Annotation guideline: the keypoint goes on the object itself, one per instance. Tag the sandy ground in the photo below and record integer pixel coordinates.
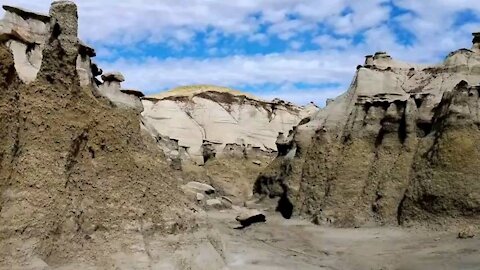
(281, 244)
(297, 244)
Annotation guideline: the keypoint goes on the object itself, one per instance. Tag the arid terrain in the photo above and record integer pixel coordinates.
(296, 244)
(95, 176)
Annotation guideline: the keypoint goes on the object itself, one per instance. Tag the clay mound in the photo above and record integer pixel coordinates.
(78, 179)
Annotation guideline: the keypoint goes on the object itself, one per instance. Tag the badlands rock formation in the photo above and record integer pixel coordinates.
(26, 34)
(399, 147)
(111, 89)
(209, 120)
(79, 181)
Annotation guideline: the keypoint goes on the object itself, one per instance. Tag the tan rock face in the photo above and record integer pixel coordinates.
(396, 148)
(221, 117)
(76, 172)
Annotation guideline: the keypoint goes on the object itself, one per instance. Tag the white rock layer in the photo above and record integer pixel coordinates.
(220, 117)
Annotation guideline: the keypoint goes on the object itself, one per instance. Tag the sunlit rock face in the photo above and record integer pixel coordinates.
(220, 116)
(393, 149)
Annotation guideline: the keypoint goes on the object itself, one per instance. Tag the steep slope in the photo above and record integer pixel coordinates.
(394, 149)
(78, 179)
(218, 117)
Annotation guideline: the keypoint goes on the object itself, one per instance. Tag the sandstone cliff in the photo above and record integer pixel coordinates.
(399, 147)
(207, 120)
(78, 178)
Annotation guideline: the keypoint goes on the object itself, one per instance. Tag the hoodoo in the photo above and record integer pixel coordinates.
(476, 42)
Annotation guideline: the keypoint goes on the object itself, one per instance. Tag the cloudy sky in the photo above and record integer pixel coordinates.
(292, 49)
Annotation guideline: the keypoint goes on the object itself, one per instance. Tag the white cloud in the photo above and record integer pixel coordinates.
(113, 24)
(329, 42)
(287, 29)
(131, 21)
(259, 38)
(295, 45)
(308, 67)
(303, 96)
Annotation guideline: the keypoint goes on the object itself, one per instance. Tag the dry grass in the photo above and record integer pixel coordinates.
(192, 90)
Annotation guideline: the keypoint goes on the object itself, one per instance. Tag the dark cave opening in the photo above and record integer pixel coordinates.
(285, 207)
(423, 129)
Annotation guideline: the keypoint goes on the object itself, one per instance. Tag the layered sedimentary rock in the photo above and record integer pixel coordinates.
(206, 120)
(398, 147)
(79, 181)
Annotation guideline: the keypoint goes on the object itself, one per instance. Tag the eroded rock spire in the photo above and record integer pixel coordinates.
(476, 41)
(61, 50)
(64, 23)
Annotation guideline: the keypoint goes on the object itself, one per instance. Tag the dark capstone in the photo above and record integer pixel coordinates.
(476, 38)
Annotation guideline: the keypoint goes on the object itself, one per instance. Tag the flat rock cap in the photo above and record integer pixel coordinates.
(86, 49)
(133, 92)
(113, 77)
(63, 3)
(25, 13)
(476, 37)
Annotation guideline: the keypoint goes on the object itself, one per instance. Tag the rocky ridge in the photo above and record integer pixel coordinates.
(397, 148)
(210, 120)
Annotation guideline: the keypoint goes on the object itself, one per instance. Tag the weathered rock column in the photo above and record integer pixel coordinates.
(64, 16)
(476, 42)
(85, 68)
(61, 51)
(112, 89)
(113, 80)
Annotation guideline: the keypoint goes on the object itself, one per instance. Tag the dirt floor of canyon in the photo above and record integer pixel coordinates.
(287, 244)
(297, 244)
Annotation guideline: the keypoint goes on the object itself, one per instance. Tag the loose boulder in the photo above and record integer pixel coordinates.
(467, 232)
(199, 187)
(249, 217)
(214, 204)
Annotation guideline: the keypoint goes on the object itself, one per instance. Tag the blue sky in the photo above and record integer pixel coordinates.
(296, 50)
